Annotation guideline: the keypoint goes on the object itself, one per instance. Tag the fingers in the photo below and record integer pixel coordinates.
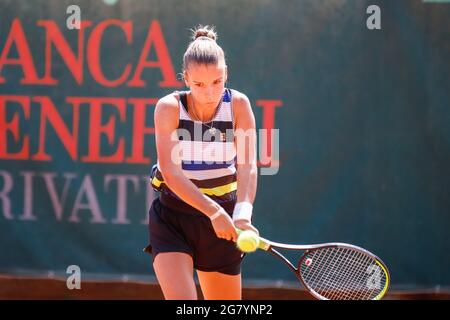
(246, 225)
(231, 235)
(224, 227)
(234, 235)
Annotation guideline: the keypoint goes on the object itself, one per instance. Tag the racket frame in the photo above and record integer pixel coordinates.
(270, 246)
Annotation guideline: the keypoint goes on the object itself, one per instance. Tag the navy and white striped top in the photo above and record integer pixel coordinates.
(208, 155)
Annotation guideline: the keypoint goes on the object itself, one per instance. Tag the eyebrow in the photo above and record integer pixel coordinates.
(202, 82)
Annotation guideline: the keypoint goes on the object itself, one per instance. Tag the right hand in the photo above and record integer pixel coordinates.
(224, 227)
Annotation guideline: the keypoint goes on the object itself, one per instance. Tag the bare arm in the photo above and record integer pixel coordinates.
(247, 171)
(167, 146)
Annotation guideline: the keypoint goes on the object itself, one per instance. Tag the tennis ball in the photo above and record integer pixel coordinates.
(248, 241)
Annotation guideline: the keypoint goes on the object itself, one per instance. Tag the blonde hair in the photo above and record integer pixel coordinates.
(203, 49)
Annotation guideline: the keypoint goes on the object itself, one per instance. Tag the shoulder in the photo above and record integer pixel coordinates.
(167, 109)
(242, 110)
(241, 105)
(239, 99)
(168, 104)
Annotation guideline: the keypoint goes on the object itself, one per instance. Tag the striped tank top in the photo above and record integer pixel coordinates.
(208, 156)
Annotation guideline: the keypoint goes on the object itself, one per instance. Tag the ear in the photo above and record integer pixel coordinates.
(226, 74)
(186, 78)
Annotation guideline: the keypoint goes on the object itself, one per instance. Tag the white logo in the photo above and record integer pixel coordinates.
(74, 280)
(74, 20)
(374, 279)
(374, 20)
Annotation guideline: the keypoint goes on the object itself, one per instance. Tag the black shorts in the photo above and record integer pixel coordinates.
(175, 231)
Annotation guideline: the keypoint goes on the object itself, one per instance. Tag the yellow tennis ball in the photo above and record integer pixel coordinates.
(248, 241)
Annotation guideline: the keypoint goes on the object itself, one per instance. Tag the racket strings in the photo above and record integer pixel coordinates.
(354, 284)
(331, 279)
(342, 273)
(352, 290)
(330, 284)
(338, 283)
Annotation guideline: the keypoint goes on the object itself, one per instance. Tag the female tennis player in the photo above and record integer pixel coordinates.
(206, 174)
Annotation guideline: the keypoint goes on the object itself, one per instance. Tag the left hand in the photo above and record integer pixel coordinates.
(245, 225)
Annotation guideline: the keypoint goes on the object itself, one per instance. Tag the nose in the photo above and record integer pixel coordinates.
(210, 91)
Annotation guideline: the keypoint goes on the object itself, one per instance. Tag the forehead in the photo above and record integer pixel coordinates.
(206, 72)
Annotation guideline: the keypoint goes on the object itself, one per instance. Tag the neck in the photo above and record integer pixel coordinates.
(203, 113)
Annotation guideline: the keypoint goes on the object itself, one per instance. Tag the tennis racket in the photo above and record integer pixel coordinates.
(335, 271)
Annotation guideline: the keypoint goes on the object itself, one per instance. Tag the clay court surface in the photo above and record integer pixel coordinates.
(22, 288)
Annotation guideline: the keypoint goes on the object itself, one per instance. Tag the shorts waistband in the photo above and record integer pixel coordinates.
(181, 206)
